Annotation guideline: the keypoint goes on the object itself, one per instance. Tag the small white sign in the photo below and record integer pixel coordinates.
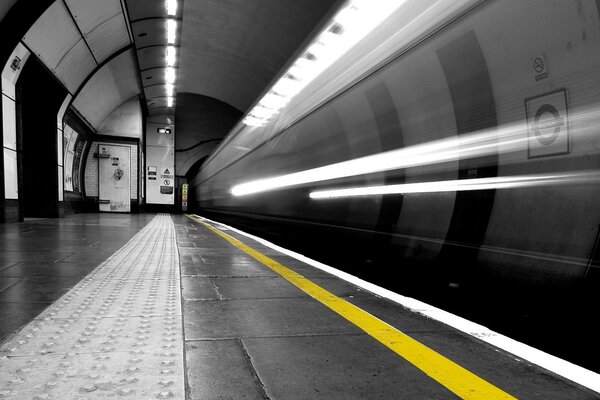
(540, 67)
(548, 124)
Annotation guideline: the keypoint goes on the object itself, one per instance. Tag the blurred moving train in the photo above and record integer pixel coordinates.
(452, 143)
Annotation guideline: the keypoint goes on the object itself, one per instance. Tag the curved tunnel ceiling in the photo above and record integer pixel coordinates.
(112, 85)
(231, 50)
(75, 39)
(105, 51)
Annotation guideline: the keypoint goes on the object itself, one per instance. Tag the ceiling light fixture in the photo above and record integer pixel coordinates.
(170, 75)
(170, 89)
(171, 6)
(348, 27)
(171, 56)
(171, 31)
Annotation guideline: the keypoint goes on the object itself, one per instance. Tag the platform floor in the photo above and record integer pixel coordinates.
(145, 306)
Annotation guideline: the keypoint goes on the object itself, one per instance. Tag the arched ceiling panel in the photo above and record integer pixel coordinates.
(53, 35)
(116, 82)
(124, 121)
(91, 13)
(75, 66)
(152, 57)
(154, 91)
(231, 50)
(109, 37)
(158, 103)
(150, 32)
(102, 24)
(153, 76)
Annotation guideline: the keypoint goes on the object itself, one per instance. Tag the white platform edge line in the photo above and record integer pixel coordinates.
(566, 369)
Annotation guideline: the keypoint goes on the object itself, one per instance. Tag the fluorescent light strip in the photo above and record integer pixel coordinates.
(170, 101)
(348, 26)
(171, 31)
(171, 56)
(557, 365)
(171, 6)
(170, 89)
(504, 182)
(170, 75)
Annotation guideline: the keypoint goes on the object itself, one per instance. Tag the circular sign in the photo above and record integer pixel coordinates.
(547, 124)
(538, 65)
(167, 182)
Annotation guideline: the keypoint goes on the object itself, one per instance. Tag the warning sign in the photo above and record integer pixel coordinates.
(547, 124)
(167, 172)
(540, 67)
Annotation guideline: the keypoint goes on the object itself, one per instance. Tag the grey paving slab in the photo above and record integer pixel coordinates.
(28, 255)
(224, 259)
(24, 269)
(337, 367)
(198, 288)
(36, 290)
(303, 269)
(261, 317)
(224, 270)
(219, 369)
(396, 315)
(341, 288)
(256, 288)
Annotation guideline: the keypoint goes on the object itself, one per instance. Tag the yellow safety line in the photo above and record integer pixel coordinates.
(455, 378)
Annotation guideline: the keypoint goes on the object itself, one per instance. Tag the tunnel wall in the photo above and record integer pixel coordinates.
(201, 123)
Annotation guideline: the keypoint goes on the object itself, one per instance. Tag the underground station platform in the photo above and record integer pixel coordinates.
(182, 307)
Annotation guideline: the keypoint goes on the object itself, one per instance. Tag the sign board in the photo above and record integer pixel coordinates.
(547, 124)
(540, 67)
(184, 197)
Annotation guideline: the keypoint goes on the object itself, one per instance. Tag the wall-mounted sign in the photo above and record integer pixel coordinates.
(184, 196)
(540, 67)
(548, 124)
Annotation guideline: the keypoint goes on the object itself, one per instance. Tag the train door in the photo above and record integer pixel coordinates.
(114, 178)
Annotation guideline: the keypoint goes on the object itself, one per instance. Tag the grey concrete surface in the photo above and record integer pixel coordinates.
(250, 334)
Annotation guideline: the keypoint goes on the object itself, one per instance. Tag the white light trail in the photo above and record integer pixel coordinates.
(500, 182)
(495, 141)
(170, 101)
(501, 140)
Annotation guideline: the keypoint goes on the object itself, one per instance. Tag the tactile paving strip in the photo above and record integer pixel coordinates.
(118, 333)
